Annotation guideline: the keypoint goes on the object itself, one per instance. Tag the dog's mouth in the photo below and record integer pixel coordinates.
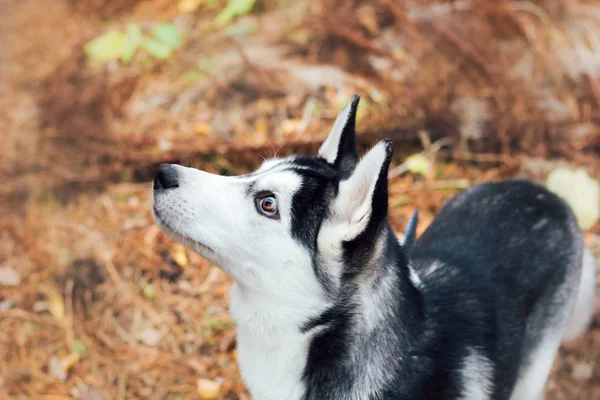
(195, 245)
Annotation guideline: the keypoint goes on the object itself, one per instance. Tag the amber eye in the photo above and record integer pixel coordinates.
(267, 205)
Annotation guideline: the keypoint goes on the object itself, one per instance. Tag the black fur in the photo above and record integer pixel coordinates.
(310, 204)
(496, 278)
(347, 155)
(494, 292)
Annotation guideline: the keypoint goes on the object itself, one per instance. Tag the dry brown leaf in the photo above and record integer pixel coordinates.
(289, 127)
(150, 336)
(56, 368)
(70, 360)
(179, 255)
(188, 6)
(198, 364)
(9, 277)
(207, 389)
(56, 306)
(203, 128)
(582, 372)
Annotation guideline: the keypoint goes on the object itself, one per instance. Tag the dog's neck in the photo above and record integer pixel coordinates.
(281, 342)
(371, 333)
(271, 347)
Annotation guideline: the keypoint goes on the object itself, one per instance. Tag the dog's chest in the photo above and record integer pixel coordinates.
(272, 366)
(271, 360)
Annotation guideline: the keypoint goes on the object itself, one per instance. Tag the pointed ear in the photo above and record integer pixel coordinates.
(362, 201)
(339, 148)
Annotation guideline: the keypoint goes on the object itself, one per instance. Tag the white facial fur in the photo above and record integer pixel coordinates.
(275, 289)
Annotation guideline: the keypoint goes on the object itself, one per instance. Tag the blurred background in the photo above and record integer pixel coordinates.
(96, 303)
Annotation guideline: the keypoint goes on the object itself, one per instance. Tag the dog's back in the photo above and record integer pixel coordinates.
(499, 270)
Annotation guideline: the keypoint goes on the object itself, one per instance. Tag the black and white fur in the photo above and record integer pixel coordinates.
(329, 305)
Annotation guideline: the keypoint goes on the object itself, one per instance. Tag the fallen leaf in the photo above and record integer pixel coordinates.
(156, 49)
(89, 393)
(582, 372)
(205, 64)
(207, 389)
(168, 33)
(70, 360)
(56, 306)
(179, 256)
(418, 164)
(106, 47)
(188, 6)
(199, 365)
(134, 38)
(290, 126)
(6, 305)
(261, 131)
(150, 336)
(149, 292)
(234, 9)
(203, 128)
(580, 191)
(9, 277)
(194, 76)
(56, 369)
(165, 145)
(64, 257)
(78, 347)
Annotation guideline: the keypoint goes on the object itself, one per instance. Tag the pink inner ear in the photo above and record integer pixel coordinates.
(361, 218)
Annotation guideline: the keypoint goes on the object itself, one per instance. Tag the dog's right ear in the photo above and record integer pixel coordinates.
(339, 148)
(363, 197)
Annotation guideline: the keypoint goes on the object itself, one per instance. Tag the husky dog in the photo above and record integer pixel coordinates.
(329, 305)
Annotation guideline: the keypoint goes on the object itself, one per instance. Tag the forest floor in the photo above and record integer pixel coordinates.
(97, 303)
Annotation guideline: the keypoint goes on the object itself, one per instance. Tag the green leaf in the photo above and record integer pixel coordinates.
(205, 64)
(167, 33)
(242, 28)
(105, 47)
(194, 76)
(212, 4)
(157, 49)
(234, 8)
(78, 347)
(133, 32)
(64, 257)
(149, 292)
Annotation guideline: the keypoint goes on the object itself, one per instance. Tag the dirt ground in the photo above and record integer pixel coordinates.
(100, 304)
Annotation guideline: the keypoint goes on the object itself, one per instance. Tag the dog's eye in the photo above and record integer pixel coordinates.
(267, 205)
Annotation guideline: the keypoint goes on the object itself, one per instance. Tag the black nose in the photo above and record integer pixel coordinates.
(166, 177)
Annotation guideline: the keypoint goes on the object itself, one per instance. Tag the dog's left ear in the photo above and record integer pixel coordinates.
(362, 201)
(339, 148)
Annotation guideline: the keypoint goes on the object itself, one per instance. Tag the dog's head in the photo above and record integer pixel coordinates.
(297, 225)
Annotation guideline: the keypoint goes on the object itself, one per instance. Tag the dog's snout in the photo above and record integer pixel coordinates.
(166, 177)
